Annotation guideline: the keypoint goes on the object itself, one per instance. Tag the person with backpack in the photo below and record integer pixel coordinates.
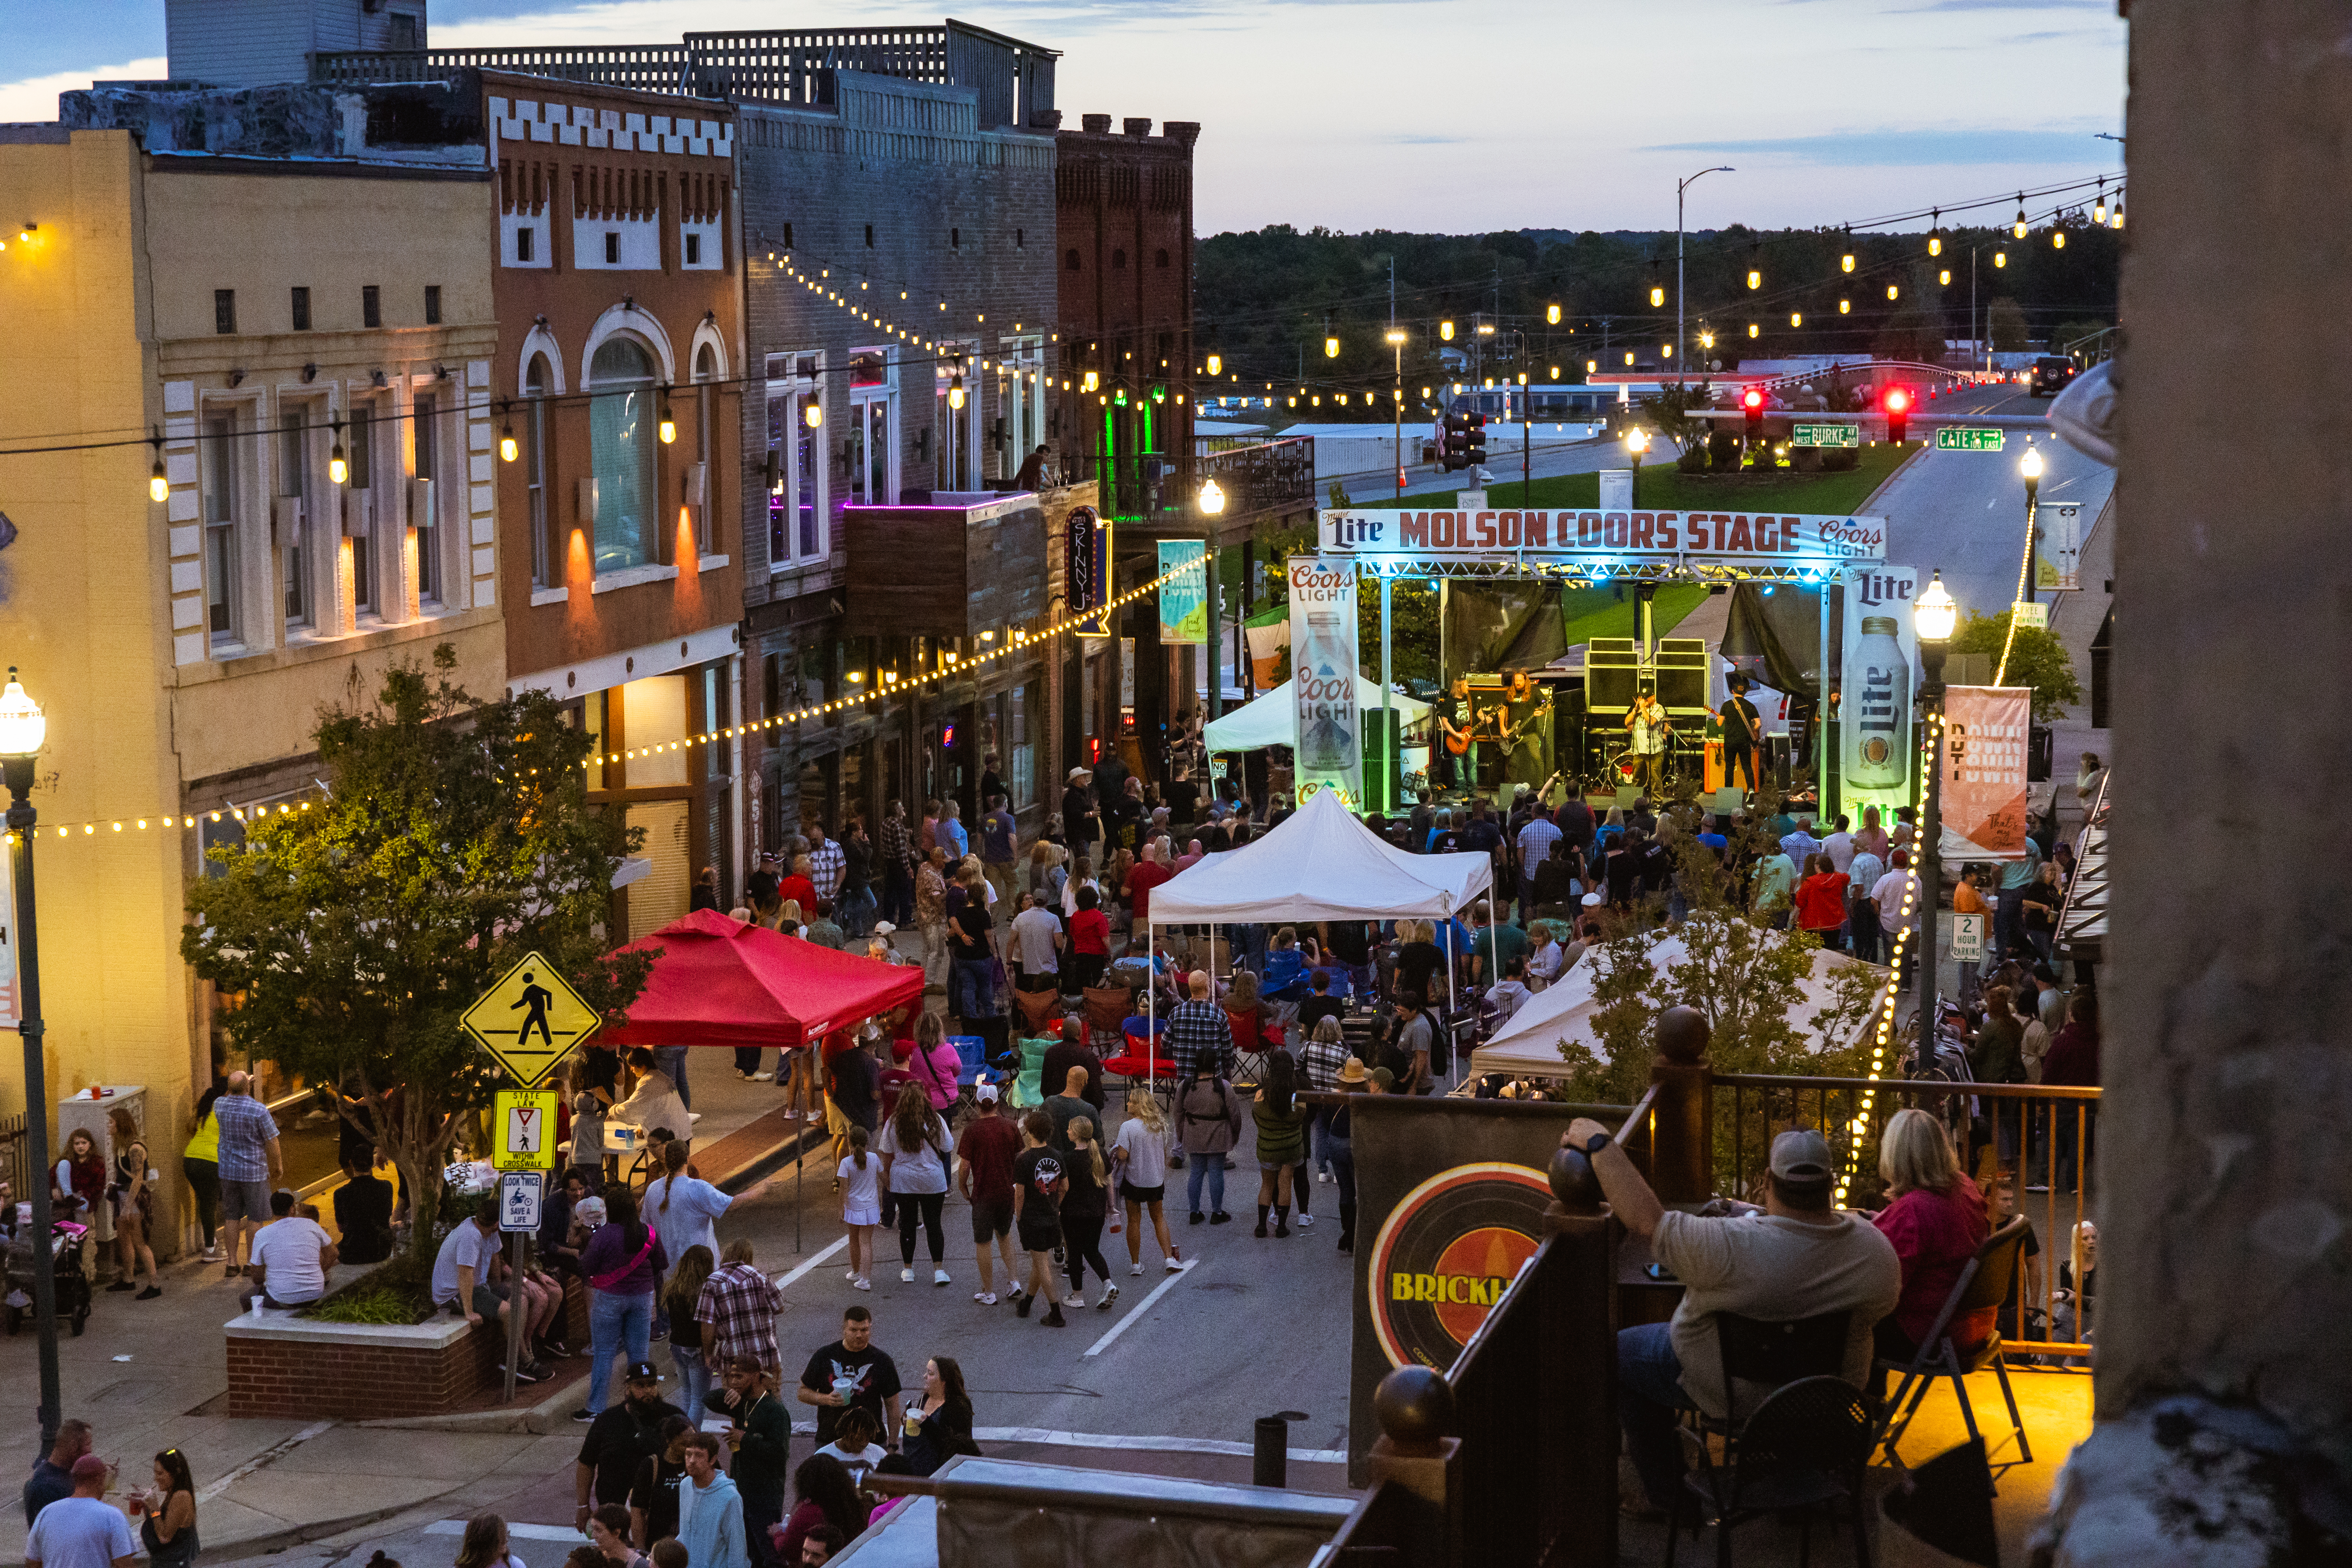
(1405, 1047)
(1208, 1124)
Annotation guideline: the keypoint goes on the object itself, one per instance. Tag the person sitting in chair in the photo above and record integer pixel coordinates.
(1796, 1258)
(1937, 1220)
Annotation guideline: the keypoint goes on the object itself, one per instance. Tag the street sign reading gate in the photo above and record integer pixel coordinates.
(1968, 438)
(1826, 435)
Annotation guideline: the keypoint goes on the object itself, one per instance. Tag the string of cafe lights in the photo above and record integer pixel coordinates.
(884, 686)
(1883, 1036)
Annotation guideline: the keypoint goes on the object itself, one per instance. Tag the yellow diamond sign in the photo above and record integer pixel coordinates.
(530, 1020)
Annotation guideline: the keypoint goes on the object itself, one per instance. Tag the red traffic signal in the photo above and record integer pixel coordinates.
(1752, 400)
(1898, 405)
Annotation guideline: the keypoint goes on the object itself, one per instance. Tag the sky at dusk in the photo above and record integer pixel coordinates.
(1449, 116)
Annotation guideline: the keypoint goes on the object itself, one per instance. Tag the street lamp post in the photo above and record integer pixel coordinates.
(1637, 441)
(1680, 186)
(22, 729)
(1212, 503)
(1932, 617)
(1396, 342)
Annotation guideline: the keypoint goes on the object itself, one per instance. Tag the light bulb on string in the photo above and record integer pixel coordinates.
(338, 470)
(2018, 227)
(1845, 307)
(2000, 258)
(1754, 330)
(1657, 295)
(1892, 292)
(159, 484)
(2057, 239)
(1795, 318)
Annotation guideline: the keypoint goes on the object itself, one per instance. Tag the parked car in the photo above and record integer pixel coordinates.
(2050, 374)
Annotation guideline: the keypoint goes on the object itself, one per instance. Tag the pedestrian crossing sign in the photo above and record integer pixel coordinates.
(529, 1020)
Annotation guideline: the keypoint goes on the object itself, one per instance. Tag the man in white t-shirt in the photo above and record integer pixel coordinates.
(1796, 1258)
(683, 1210)
(290, 1256)
(1896, 894)
(464, 1274)
(83, 1530)
(1037, 939)
(1839, 848)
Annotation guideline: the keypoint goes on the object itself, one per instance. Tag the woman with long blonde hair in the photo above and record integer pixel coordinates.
(1086, 1204)
(1140, 1155)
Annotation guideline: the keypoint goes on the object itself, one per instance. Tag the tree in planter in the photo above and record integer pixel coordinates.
(2036, 658)
(455, 837)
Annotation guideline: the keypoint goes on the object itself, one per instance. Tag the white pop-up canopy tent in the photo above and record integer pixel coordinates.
(1272, 719)
(1528, 1045)
(1320, 863)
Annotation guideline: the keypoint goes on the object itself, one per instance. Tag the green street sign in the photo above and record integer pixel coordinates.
(1967, 438)
(1826, 435)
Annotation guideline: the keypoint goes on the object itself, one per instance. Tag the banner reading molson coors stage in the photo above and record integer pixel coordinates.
(1983, 802)
(1877, 763)
(1323, 666)
(1733, 538)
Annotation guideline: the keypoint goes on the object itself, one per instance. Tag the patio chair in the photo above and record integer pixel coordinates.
(1986, 1282)
(1106, 1011)
(1753, 1351)
(1806, 1445)
(1039, 1010)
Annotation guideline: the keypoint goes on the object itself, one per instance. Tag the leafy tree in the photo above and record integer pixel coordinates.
(2005, 323)
(2036, 658)
(1671, 412)
(455, 837)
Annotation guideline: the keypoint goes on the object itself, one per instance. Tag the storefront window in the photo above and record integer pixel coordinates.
(621, 445)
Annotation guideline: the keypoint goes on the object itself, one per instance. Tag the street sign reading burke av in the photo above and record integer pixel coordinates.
(530, 1020)
(1826, 435)
(1968, 438)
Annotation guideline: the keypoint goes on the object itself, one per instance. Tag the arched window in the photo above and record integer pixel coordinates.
(622, 446)
(706, 395)
(1070, 259)
(546, 550)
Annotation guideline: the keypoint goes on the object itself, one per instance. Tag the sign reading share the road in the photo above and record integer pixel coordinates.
(529, 1020)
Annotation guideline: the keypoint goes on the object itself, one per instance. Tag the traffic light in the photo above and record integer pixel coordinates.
(1898, 404)
(1453, 431)
(1473, 447)
(1752, 401)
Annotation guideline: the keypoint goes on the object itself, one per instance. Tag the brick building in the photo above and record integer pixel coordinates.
(619, 382)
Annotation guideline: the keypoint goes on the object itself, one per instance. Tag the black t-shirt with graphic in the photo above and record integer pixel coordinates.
(872, 1373)
(1038, 1173)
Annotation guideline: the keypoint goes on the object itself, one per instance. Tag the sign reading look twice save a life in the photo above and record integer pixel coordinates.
(529, 1020)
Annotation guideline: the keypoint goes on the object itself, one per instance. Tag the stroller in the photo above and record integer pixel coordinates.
(66, 1239)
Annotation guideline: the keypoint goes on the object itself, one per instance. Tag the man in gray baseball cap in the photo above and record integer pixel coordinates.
(1798, 1257)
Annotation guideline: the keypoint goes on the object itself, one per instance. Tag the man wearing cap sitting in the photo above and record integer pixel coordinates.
(1796, 1257)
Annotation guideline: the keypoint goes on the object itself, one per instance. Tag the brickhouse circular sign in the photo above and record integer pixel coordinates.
(1446, 1252)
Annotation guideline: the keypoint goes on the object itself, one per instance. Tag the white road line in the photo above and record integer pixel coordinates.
(1127, 1318)
(1148, 1445)
(784, 1279)
(520, 1532)
(276, 1451)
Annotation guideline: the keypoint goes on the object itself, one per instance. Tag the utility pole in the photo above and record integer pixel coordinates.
(1681, 187)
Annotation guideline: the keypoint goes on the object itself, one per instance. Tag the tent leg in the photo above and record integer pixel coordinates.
(1449, 1000)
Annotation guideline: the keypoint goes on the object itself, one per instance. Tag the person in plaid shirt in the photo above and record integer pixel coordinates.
(248, 1161)
(738, 1310)
(1199, 1035)
(826, 864)
(895, 858)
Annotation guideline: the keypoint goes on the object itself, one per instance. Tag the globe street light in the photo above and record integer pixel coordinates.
(22, 730)
(1637, 441)
(1932, 616)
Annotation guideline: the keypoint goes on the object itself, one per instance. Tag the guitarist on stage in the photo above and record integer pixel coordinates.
(1743, 733)
(1650, 727)
(1457, 732)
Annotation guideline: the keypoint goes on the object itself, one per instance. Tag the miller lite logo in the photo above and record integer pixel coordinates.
(1347, 531)
(1883, 587)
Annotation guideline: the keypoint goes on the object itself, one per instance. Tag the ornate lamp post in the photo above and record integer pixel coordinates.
(1932, 616)
(22, 730)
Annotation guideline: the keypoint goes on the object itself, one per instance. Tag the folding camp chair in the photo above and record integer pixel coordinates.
(1987, 1281)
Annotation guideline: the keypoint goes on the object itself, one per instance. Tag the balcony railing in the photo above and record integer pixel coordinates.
(785, 69)
(1270, 478)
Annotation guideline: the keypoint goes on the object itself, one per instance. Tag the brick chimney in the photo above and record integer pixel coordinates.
(1095, 124)
(1184, 130)
(1134, 126)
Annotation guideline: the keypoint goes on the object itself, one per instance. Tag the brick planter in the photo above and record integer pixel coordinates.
(285, 1366)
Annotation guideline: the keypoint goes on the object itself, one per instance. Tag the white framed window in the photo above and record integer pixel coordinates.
(424, 452)
(873, 437)
(296, 487)
(546, 551)
(798, 514)
(956, 448)
(222, 464)
(623, 447)
(706, 421)
(360, 436)
(1021, 401)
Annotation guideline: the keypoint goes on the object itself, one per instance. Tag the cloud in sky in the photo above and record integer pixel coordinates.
(1458, 116)
(36, 98)
(1912, 149)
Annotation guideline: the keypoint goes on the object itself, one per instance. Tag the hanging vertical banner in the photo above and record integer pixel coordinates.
(1269, 634)
(1086, 569)
(1985, 737)
(1323, 666)
(11, 1004)
(1876, 758)
(1184, 598)
(2058, 545)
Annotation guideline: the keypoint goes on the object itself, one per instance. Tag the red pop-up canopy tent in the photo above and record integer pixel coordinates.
(721, 983)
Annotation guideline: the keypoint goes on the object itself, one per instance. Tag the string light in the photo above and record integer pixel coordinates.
(2018, 227)
(2000, 258)
(159, 484)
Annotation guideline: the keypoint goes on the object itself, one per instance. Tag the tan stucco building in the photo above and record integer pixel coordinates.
(305, 347)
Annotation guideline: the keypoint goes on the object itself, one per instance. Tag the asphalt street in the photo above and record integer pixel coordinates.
(1964, 513)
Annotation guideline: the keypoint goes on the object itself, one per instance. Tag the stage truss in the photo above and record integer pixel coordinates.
(1489, 567)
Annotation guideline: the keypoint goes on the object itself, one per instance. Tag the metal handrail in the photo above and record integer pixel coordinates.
(1915, 1085)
